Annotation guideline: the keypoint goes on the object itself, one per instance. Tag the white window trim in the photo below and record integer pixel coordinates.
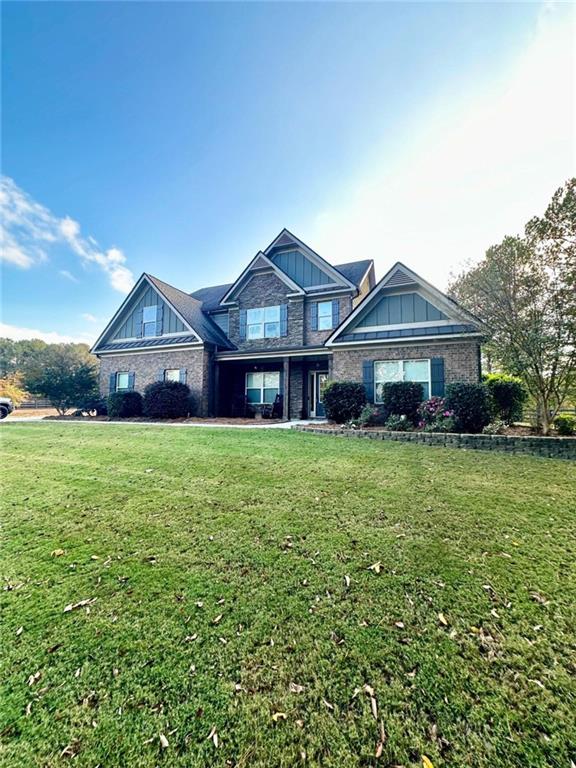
(264, 323)
(329, 315)
(122, 389)
(405, 360)
(262, 388)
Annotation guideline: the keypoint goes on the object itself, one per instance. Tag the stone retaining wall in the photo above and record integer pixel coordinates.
(549, 447)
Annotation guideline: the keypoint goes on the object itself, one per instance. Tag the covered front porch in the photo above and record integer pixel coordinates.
(287, 386)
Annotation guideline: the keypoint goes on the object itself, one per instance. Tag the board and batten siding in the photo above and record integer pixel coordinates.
(147, 297)
(300, 269)
(400, 308)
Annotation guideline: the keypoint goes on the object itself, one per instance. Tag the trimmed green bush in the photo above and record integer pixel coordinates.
(166, 400)
(344, 400)
(403, 398)
(124, 405)
(565, 425)
(94, 406)
(507, 396)
(470, 405)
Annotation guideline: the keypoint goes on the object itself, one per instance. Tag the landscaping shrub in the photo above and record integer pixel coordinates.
(123, 405)
(344, 400)
(506, 396)
(166, 400)
(435, 416)
(94, 406)
(403, 398)
(470, 405)
(565, 425)
(398, 423)
(372, 416)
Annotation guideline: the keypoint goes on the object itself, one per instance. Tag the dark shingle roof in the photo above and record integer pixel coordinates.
(211, 296)
(354, 270)
(191, 310)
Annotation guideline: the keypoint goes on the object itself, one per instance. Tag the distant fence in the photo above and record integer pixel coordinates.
(36, 402)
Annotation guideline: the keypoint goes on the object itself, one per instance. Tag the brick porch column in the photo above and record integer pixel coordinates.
(286, 400)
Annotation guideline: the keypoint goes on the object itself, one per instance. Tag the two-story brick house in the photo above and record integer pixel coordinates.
(290, 323)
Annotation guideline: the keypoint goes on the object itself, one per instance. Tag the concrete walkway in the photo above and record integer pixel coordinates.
(206, 425)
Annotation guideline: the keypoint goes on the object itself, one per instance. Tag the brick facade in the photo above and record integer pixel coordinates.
(461, 358)
(317, 338)
(147, 365)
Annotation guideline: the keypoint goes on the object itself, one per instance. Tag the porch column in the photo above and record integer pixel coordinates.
(216, 389)
(286, 401)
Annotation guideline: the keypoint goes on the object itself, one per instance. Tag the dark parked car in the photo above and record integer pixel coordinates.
(6, 407)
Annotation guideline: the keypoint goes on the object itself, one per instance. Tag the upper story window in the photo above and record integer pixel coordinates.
(122, 381)
(401, 370)
(325, 316)
(149, 315)
(263, 323)
(172, 374)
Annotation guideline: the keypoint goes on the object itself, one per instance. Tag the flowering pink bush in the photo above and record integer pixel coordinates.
(434, 416)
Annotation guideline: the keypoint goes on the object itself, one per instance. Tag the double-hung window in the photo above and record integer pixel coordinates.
(401, 370)
(149, 321)
(263, 323)
(172, 374)
(325, 316)
(262, 387)
(122, 381)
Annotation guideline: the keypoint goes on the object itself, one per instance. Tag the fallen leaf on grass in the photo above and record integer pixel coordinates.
(213, 735)
(442, 619)
(190, 638)
(34, 678)
(347, 580)
(57, 552)
(376, 567)
(71, 750)
(295, 688)
(164, 741)
(399, 624)
(94, 557)
(426, 762)
(217, 619)
(279, 716)
(80, 604)
(19, 631)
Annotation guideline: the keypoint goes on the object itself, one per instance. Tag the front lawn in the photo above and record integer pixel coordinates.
(270, 598)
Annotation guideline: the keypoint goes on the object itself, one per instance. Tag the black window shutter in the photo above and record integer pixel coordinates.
(159, 318)
(284, 320)
(138, 315)
(437, 377)
(368, 379)
(242, 324)
(314, 316)
(183, 373)
(131, 379)
(335, 313)
(112, 383)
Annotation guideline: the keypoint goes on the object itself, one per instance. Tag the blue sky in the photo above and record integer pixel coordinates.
(179, 138)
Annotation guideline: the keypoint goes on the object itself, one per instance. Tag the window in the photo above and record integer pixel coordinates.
(401, 370)
(172, 374)
(262, 387)
(149, 321)
(122, 381)
(325, 316)
(263, 323)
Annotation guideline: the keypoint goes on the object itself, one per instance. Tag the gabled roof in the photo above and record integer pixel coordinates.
(191, 310)
(260, 261)
(187, 308)
(355, 270)
(212, 295)
(286, 238)
(399, 275)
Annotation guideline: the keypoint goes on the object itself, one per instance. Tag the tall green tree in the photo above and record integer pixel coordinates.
(524, 290)
(66, 374)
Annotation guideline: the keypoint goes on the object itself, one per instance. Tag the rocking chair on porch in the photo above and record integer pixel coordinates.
(274, 410)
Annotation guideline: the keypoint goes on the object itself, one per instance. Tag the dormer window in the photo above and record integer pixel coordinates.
(263, 323)
(149, 315)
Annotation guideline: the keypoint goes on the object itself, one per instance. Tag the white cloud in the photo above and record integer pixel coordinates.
(90, 318)
(69, 276)
(50, 337)
(30, 229)
(471, 172)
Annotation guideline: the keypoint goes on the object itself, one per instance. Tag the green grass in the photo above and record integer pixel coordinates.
(263, 527)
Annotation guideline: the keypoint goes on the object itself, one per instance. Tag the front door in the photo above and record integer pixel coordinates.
(317, 385)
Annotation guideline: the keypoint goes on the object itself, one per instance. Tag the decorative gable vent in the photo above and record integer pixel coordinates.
(285, 239)
(399, 278)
